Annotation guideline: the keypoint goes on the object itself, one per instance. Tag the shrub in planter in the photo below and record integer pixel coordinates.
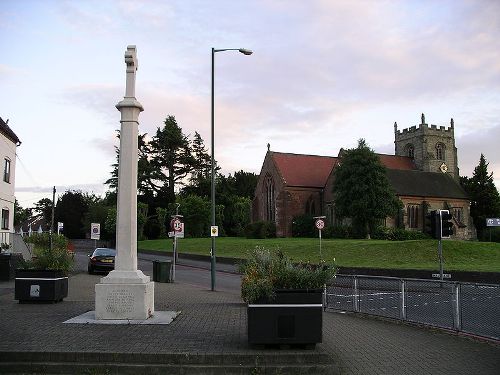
(44, 277)
(284, 299)
(265, 271)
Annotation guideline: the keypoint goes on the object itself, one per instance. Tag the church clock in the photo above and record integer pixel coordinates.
(443, 168)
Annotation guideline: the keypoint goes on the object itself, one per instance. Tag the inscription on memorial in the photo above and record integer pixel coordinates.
(120, 301)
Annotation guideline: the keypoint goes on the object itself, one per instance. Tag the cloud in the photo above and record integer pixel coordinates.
(472, 145)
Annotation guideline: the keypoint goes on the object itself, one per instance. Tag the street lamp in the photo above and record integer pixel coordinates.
(212, 253)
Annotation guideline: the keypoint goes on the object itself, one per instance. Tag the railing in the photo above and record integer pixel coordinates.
(465, 307)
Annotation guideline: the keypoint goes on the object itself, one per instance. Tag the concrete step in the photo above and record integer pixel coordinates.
(273, 363)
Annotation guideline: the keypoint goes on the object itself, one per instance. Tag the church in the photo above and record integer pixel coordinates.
(423, 173)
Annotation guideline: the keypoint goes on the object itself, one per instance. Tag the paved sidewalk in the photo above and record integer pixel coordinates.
(214, 323)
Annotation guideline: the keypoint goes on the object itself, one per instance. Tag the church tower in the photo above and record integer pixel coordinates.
(431, 147)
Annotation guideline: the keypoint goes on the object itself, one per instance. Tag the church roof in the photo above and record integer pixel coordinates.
(304, 170)
(425, 184)
(313, 170)
(397, 162)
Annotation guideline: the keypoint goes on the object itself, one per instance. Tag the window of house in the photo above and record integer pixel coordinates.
(412, 215)
(410, 151)
(5, 218)
(6, 170)
(440, 154)
(270, 200)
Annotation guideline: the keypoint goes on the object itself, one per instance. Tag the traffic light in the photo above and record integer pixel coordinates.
(446, 224)
(433, 224)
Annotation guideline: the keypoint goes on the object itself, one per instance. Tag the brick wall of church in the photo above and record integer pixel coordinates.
(293, 202)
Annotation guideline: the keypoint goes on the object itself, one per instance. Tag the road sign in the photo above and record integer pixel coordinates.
(445, 275)
(320, 224)
(60, 227)
(493, 222)
(214, 231)
(176, 225)
(95, 231)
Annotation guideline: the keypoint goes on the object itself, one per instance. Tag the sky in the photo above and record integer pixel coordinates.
(324, 73)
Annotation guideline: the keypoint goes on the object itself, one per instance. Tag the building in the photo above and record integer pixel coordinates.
(423, 173)
(8, 144)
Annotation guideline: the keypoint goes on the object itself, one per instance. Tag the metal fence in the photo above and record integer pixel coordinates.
(465, 307)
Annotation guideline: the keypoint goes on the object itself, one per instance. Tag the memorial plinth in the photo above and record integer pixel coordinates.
(126, 293)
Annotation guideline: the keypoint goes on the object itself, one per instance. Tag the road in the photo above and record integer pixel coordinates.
(188, 272)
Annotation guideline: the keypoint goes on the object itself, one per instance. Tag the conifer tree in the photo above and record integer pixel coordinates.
(485, 200)
(361, 189)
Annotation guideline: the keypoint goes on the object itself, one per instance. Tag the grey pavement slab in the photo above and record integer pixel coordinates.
(159, 317)
(213, 324)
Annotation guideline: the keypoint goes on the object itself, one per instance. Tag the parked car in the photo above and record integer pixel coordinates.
(102, 259)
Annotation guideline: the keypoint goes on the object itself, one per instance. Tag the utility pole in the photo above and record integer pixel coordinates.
(52, 220)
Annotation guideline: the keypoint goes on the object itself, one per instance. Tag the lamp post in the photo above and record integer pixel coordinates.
(212, 253)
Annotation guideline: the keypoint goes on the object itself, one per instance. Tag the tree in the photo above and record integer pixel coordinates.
(485, 200)
(21, 214)
(43, 208)
(196, 212)
(97, 213)
(70, 209)
(361, 189)
(171, 156)
(145, 173)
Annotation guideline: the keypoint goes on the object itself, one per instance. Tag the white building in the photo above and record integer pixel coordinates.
(8, 144)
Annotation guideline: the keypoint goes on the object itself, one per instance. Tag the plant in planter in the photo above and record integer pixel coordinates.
(45, 277)
(284, 299)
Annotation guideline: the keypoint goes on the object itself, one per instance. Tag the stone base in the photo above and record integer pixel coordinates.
(124, 295)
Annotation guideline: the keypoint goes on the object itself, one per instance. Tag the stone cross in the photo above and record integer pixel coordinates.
(126, 293)
(132, 64)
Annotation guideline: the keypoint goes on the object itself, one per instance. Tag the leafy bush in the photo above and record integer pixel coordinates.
(491, 234)
(260, 229)
(338, 231)
(46, 259)
(266, 271)
(303, 226)
(397, 234)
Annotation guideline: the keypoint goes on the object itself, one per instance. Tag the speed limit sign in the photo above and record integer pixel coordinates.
(320, 224)
(176, 225)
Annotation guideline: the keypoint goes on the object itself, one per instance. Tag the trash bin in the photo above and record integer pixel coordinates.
(162, 269)
(5, 267)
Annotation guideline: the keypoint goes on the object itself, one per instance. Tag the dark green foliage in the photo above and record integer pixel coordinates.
(398, 234)
(485, 200)
(171, 157)
(303, 226)
(234, 193)
(260, 229)
(490, 234)
(361, 189)
(266, 271)
(20, 214)
(196, 211)
(338, 231)
(97, 213)
(70, 210)
(43, 208)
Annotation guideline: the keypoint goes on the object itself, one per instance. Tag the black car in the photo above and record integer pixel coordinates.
(102, 259)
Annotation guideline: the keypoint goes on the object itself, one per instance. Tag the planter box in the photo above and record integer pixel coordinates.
(293, 317)
(40, 286)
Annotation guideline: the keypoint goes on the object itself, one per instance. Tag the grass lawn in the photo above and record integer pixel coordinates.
(420, 254)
